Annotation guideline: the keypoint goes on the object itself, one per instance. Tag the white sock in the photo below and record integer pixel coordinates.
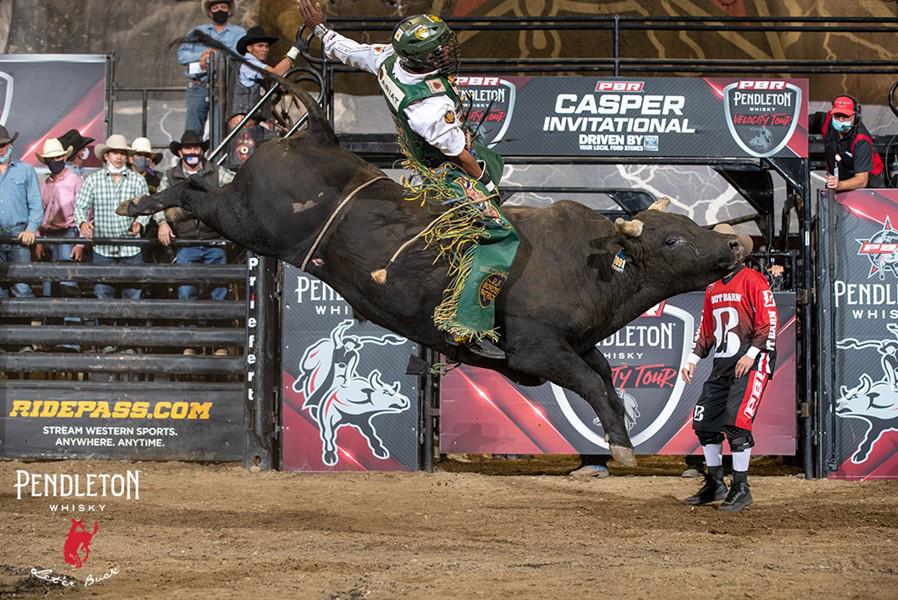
(740, 460)
(713, 454)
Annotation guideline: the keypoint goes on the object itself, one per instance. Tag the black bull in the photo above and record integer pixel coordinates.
(562, 296)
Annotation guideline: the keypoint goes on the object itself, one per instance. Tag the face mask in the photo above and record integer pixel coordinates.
(115, 170)
(84, 154)
(5, 158)
(192, 159)
(56, 166)
(141, 163)
(841, 126)
(220, 17)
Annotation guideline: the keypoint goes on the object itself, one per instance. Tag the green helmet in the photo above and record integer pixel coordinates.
(425, 42)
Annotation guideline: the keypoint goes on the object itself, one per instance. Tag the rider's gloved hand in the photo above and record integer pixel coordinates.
(485, 178)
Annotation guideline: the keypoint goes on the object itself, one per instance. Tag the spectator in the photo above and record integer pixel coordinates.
(80, 150)
(143, 160)
(177, 222)
(196, 58)
(249, 88)
(21, 210)
(58, 193)
(851, 160)
(102, 192)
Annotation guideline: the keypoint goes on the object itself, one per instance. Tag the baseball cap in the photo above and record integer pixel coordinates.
(843, 105)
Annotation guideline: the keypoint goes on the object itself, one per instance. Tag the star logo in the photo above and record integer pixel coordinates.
(881, 249)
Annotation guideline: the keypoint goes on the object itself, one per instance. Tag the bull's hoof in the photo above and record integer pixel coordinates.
(623, 455)
(124, 207)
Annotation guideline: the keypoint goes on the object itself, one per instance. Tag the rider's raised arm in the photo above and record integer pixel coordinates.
(367, 57)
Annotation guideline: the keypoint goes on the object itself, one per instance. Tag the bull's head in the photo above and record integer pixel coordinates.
(385, 398)
(670, 252)
(870, 400)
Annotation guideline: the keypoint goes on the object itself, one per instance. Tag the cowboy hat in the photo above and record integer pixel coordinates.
(53, 150)
(4, 136)
(142, 145)
(73, 138)
(190, 138)
(116, 141)
(207, 4)
(254, 35)
(727, 229)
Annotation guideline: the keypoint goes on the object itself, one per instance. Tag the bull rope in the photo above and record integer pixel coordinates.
(333, 216)
(380, 275)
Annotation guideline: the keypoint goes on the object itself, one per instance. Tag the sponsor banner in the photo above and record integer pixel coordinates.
(45, 95)
(861, 424)
(54, 419)
(348, 404)
(83, 502)
(652, 117)
(482, 411)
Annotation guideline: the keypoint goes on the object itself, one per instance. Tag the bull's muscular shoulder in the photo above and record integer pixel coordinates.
(564, 216)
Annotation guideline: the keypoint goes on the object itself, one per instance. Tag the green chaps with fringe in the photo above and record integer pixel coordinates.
(479, 261)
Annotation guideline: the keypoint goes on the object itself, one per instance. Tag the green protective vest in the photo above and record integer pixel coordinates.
(400, 96)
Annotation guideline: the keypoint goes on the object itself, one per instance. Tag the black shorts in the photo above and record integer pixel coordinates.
(729, 401)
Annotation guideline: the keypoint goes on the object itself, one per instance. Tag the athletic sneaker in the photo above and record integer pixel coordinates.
(713, 489)
(591, 471)
(738, 498)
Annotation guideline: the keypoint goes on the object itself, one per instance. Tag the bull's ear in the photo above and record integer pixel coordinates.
(660, 204)
(631, 228)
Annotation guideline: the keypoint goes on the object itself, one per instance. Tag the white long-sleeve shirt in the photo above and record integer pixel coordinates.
(428, 117)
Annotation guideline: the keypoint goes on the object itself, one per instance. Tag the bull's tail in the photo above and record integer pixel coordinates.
(317, 120)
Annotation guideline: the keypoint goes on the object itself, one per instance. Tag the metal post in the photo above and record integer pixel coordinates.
(615, 44)
(262, 345)
(809, 430)
(110, 97)
(428, 410)
(144, 107)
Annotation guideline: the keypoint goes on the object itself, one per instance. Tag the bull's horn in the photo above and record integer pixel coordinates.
(375, 377)
(660, 204)
(844, 391)
(629, 228)
(866, 383)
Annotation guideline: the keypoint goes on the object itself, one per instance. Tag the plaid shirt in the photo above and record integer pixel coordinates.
(103, 196)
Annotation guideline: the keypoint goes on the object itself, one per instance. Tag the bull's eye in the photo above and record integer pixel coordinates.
(673, 241)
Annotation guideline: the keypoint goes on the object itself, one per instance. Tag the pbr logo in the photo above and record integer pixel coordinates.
(645, 358)
(337, 393)
(882, 251)
(762, 115)
(489, 105)
(6, 87)
(873, 402)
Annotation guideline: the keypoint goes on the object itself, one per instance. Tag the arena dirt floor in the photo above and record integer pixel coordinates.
(485, 529)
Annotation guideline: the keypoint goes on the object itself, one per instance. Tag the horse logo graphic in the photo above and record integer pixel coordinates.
(336, 395)
(875, 402)
(77, 541)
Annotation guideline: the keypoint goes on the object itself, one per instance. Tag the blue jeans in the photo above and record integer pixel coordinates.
(15, 254)
(197, 108)
(63, 253)
(206, 255)
(107, 292)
